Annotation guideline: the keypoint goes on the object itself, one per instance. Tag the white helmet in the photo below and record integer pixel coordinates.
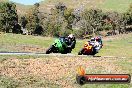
(71, 36)
(92, 39)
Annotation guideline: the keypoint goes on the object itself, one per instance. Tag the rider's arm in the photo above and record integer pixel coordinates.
(72, 45)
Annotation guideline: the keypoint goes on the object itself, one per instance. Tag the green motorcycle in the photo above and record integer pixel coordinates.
(59, 46)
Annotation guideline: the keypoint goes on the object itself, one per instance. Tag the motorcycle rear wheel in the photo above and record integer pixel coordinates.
(49, 50)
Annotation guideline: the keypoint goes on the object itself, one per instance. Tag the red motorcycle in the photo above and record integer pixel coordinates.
(88, 49)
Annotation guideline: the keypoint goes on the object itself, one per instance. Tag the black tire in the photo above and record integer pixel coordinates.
(80, 52)
(68, 50)
(94, 52)
(49, 50)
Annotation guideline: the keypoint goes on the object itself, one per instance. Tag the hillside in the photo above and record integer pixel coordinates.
(105, 5)
(22, 9)
(79, 4)
(4, 0)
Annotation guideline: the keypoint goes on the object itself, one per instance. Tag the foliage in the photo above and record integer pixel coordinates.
(59, 22)
(9, 17)
(34, 25)
(62, 20)
(91, 20)
(128, 15)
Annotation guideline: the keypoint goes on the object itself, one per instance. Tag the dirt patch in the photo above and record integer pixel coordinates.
(61, 71)
(32, 49)
(23, 48)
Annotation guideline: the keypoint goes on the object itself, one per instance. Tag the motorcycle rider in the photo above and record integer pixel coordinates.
(71, 42)
(99, 39)
(95, 44)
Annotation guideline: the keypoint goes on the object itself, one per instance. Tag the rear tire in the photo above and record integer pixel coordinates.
(49, 50)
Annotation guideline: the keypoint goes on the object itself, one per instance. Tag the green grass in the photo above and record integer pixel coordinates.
(106, 86)
(11, 42)
(26, 82)
(118, 47)
(122, 47)
(24, 39)
(7, 82)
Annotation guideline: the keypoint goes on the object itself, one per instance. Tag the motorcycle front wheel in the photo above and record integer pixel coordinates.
(81, 52)
(49, 50)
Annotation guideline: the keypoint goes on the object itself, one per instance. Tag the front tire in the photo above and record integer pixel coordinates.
(94, 52)
(49, 50)
(81, 52)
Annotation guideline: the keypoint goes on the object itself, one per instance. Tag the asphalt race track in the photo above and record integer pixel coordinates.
(53, 54)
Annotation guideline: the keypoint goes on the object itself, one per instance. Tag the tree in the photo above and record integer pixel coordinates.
(9, 17)
(23, 21)
(128, 15)
(58, 23)
(61, 7)
(34, 20)
(91, 21)
(69, 17)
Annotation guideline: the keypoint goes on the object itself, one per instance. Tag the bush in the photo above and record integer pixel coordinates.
(78, 33)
